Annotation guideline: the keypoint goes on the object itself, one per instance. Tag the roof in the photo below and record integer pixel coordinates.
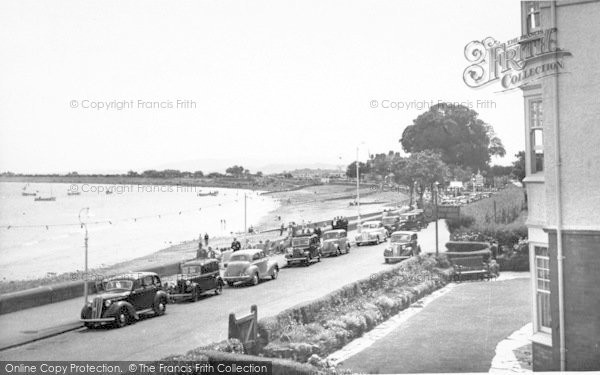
(131, 276)
(246, 252)
(335, 230)
(372, 222)
(403, 232)
(199, 262)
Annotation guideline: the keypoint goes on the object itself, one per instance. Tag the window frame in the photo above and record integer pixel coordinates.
(532, 8)
(534, 123)
(536, 308)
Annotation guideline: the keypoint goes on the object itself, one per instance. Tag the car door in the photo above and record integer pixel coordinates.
(136, 297)
(262, 264)
(343, 241)
(149, 289)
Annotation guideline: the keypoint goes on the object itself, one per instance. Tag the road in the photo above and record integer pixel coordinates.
(188, 325)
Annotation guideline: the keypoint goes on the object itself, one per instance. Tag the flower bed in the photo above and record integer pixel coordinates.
(311, 331)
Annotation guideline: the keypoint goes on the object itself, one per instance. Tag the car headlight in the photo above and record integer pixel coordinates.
(306, 252)
(107, 303)
(289, 250)
(187, 282)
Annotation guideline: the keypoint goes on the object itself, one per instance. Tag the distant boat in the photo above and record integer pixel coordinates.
(209, 194)
(50, 198)
(26, 193)
(44, 199)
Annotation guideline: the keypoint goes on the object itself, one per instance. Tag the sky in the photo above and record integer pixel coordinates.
(204, 84)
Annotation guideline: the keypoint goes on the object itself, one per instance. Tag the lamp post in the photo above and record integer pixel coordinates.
(357, 187)
(437, 251)
(85, 272)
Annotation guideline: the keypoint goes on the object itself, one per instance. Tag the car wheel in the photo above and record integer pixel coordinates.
(89, 325)
(122, 318)
(387, 260)
(255, 279)
(219, 288)
(230, 283)
(275, 273)
(161, 308)
(195, 294)
(378, 241)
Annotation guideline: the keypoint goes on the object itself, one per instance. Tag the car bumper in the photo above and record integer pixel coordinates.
(329, 250)
(98, 320)
(396, 257)
(235, 279)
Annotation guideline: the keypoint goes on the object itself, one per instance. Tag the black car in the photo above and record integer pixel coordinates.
(196, 278)
(306, 249)
(126, 298)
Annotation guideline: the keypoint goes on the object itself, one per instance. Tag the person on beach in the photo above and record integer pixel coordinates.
(206, 239)
(236, 245)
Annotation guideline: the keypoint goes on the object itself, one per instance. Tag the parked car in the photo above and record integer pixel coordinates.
(413, 220)
(391, 222)
(305, 250)
(372, 232)
(250, 266)
(197, 277)
(402, 245)
(126, 298)
(335, 242)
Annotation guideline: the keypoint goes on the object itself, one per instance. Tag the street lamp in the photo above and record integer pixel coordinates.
(437, 251)
(357, 187)
(85, 274)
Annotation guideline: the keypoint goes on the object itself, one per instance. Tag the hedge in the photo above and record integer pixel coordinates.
(466, 246)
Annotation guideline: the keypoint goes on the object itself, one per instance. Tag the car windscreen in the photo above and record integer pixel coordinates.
(239, 258)
(371, 226)
(300, 241)
(400, 238)
(191, 269)
(331, 235)
(390, 219)
(118, 285)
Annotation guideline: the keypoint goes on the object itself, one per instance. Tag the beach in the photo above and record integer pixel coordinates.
(310, 204)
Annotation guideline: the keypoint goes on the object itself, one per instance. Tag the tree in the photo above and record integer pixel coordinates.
(427, 168)
(236, 170)
(518, 167)
(259, 174)
(363, 169)
(456, 132)
(132, 174)
(198, 174)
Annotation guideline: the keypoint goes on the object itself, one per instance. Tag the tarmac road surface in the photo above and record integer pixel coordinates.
(186, 326)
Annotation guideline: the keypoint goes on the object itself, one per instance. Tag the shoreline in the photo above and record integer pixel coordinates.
(309, 204)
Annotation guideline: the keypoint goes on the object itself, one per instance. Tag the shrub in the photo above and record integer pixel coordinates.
(464, 221)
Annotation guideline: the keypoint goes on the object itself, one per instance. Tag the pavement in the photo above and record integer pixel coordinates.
(456, 330)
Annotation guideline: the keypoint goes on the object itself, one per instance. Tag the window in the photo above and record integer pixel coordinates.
(536, 136)
(542, 289)
(533, 16)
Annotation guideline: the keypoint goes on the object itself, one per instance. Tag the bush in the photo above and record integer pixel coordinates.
(466, 246)
(464, 221)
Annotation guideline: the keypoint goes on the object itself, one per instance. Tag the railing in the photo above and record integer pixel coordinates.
(245, 330)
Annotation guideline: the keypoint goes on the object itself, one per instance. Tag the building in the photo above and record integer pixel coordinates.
(561, 89)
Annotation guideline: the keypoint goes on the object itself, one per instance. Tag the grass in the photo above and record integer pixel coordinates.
(510, 204)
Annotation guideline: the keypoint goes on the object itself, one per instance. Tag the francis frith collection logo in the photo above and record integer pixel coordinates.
(514, 63)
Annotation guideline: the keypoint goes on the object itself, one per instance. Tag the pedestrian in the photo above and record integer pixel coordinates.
(199, 252)
(281, 230)
(236, 245)
(206, 239)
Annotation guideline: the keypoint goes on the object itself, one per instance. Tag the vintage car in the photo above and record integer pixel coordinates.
(250, 266)
(196, 278)
(413, 220)
(335, 242)
(372, 232)
(125, 298)
(403, 245)
(391, 222)
(305, 250)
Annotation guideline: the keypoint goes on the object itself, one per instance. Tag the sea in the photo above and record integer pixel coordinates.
(42, 238)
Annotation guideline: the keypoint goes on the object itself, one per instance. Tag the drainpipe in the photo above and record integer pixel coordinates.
(559, 242)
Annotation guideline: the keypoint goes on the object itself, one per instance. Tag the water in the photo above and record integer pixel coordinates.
(35, 251)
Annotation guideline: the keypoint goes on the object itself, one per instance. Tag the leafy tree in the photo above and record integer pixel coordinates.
(259, 174)
(236, 170)
(427, 168)
(198, 174)
(457, 133)
(518, 167)
(363, 169)
(214, 175)
(132, 174)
